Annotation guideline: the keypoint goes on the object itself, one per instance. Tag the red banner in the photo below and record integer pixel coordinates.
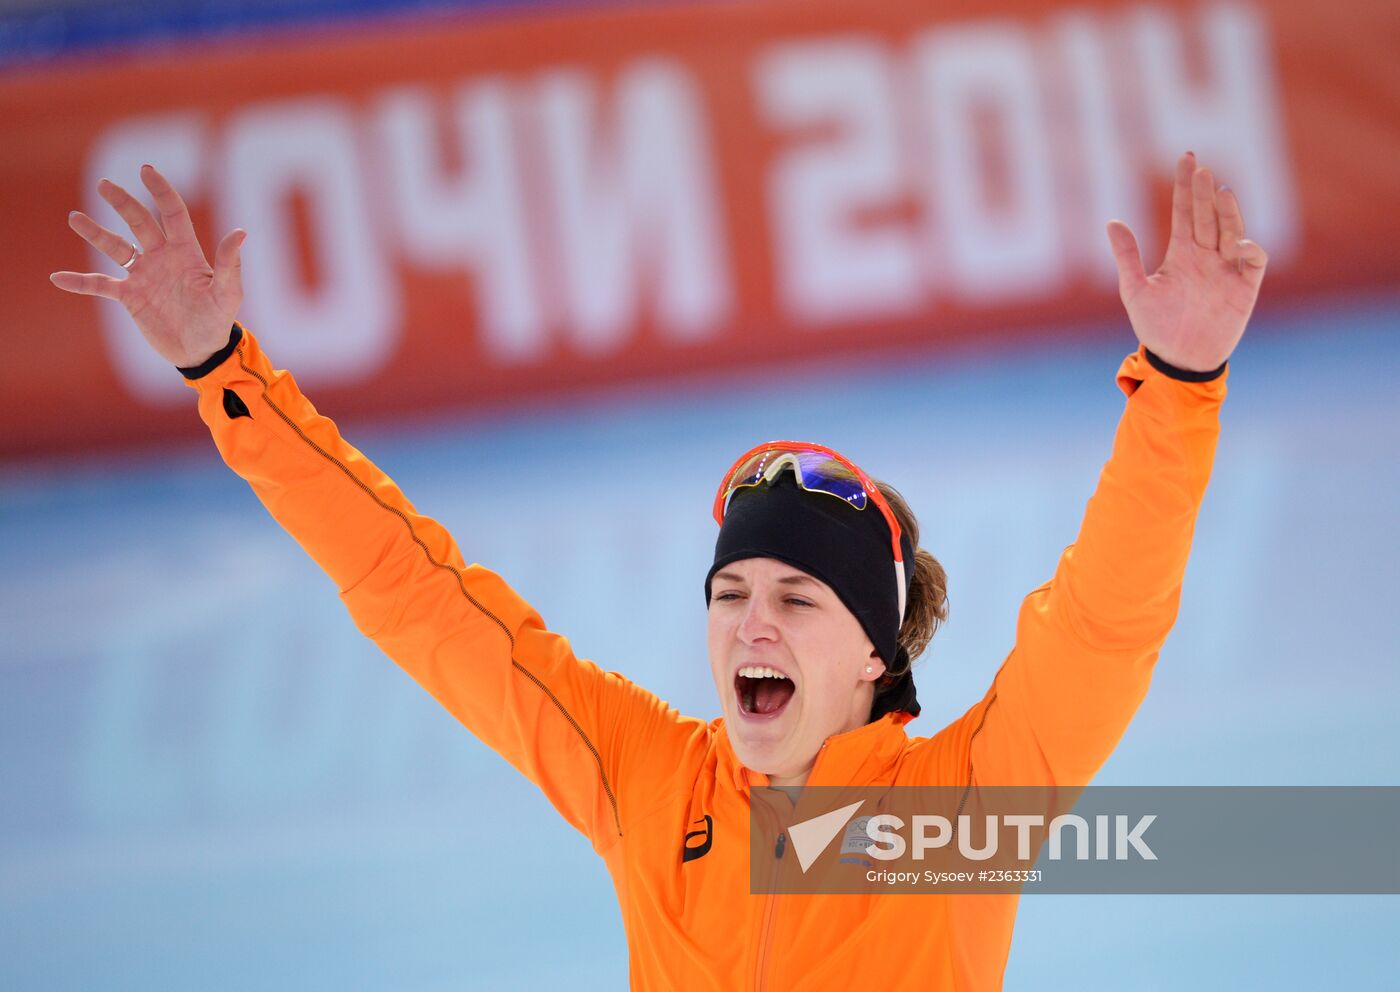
(493, 208)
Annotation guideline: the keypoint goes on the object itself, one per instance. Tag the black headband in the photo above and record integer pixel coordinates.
(846, 548)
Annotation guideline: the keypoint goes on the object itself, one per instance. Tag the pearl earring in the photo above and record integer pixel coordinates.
(869, 669)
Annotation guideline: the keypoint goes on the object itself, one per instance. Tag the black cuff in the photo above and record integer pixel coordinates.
(1185, 375)
(215, 360)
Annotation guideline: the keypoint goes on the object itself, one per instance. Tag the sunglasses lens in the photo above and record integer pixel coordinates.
(815, 472)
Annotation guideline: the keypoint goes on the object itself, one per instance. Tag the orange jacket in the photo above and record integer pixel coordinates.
(636, 777)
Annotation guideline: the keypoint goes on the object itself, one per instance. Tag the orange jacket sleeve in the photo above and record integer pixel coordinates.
(1087, 640)
(602, 749)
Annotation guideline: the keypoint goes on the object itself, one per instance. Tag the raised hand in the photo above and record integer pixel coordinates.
(1192, 311)
(182, 306)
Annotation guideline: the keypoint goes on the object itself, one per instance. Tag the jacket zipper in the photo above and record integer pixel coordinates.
(770, 907)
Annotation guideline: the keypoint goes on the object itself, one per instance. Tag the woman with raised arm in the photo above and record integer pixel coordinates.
(819, 598)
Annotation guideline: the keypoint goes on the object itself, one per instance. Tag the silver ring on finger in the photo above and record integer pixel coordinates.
(135, 254)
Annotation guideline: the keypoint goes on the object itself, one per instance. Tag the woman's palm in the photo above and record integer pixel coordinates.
(1192, 311)
(181, 305)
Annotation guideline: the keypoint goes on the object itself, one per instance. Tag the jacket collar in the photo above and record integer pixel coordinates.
(868, 755)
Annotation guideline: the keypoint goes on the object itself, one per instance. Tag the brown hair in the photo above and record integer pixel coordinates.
(928, 594)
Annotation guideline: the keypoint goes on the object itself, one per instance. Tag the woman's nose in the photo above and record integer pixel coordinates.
(757, 622)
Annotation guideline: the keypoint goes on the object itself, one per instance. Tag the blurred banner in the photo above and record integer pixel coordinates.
(495, 207)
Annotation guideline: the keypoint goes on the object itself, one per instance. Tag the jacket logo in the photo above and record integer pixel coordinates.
(699, 850)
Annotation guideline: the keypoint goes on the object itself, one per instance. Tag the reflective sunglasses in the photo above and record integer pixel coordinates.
(817, 469)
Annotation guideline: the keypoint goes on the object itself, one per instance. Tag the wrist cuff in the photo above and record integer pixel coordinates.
(1185, 375)
(216, 359)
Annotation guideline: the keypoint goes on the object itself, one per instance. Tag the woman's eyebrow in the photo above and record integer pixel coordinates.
(789, 580)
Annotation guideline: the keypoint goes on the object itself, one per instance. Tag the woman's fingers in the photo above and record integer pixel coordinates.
(1227, 208)
(1181, 198)
(88, 284)
(228, 265)
(1204, 224)
(1252, 262)
(138, 218)
(174, 215)
(1128, 258)
(113, 245)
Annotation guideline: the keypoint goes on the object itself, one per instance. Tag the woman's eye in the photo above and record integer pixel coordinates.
(729, 597)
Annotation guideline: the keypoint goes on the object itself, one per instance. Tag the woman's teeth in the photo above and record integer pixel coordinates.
(763, 691)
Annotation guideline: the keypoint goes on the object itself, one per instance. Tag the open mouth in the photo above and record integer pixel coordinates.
(762, 692)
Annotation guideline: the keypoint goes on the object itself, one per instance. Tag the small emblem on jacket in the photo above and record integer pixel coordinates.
(697, 842)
